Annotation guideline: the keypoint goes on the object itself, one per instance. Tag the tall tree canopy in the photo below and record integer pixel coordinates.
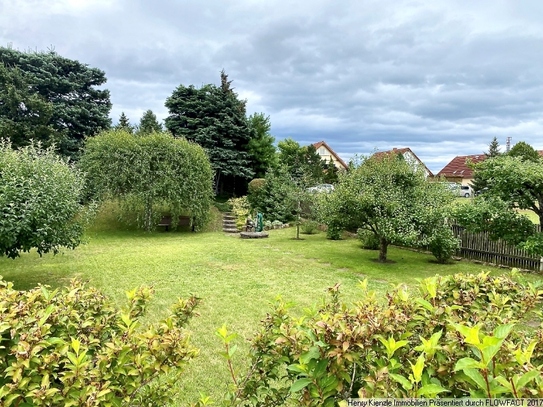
(149, 123)
(525, 151)
(261, 145)
(303, 162)
(79, 107)
(215, 118)
(24, 114)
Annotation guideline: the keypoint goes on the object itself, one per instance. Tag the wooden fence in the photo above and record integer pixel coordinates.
(478, 246)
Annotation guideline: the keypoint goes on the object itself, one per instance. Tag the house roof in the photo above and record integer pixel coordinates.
(402, 151)
(458, 167)
(332, 152)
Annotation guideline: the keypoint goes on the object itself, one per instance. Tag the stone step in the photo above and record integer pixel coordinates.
(230, 230)
(229, 222)
(228, 217)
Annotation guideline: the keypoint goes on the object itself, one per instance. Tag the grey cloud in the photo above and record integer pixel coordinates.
(442, 78)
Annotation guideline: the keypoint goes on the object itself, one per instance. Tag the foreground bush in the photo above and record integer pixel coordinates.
(455, 338)
(73, 347)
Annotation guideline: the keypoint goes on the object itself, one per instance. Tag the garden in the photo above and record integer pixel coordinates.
(362, 296)
(238, 282)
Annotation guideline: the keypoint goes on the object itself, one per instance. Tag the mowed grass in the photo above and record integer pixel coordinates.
(237, 279)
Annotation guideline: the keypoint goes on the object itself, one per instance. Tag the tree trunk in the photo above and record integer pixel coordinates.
(383, 247)
(217, 180)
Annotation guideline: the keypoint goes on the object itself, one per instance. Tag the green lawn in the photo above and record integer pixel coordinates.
(236, 278)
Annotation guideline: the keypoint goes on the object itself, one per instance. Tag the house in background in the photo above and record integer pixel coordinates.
(408, 156)
(327, 154)
(458, 170)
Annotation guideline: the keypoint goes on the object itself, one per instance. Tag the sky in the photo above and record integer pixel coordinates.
(440, 77)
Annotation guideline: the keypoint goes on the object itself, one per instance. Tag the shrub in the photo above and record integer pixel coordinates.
(241, 209)
(443, 245)
(73, 347)
(277, 197)
(310, 227)
(39, 201)
(277, 224)
(368, 239)
(150, 174)
(455, 338)
(256, 185)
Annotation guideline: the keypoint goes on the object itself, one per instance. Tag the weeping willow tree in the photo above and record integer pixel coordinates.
(152, 174)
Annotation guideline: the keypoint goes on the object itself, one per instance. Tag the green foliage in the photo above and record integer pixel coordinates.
(309, 227)
(478, 184)
(368, 239)
(124, 124)
(39, 201)
(513, 183)
(443, 244)
(79, 108)
(152, 174)
(454, 338)
(241, 209)
(24, 114)
(493, 148)
(388, 197)
(149, 124)
(303, 163)
(214, 118)
(73, 347)
(261, 147)
(331, 173)
(524, 151)
(278, 197)
(497, 218)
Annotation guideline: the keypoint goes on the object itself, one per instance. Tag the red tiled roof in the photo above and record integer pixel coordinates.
(458, 167)
(402, 151)
(321, 144)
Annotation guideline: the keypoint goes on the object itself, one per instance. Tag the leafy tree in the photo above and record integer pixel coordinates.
(124, 124)
(525, 151)
(275, 196)
(151, 173)
(331, 173)
(79, 107)
(391, 199)
(149, 123)
(513, 183)
(24, 114)
(478, 184)
(39, 201)
(214, 118)
(303, 162)
(261, 145)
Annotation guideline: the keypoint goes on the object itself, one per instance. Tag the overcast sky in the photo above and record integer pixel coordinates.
(441, 77)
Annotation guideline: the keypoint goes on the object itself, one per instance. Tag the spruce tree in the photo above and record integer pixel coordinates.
(479, 184)
(493, 148)
(124, 124)
(80, 108)
(215, 118)
(149, 124)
